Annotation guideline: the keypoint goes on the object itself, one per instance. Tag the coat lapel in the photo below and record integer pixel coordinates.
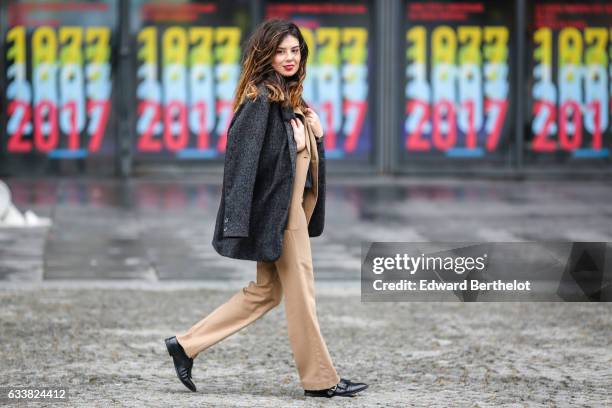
(310, 198)
(287, 115)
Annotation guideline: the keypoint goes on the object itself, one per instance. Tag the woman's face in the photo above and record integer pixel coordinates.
(286, 60)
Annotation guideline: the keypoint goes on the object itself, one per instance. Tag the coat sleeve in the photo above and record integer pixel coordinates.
(245, 139)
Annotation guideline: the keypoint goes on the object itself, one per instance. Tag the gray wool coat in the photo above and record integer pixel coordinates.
(258, 179)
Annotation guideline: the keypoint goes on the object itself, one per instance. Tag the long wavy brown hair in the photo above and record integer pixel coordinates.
(257, 65)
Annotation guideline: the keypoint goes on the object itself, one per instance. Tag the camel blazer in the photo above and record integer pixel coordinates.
(258, 175)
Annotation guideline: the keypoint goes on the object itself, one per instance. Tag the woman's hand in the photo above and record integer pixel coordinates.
(298, 133)
(315, 123)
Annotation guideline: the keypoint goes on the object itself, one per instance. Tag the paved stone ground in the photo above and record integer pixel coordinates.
(106, 345)
(87, 302)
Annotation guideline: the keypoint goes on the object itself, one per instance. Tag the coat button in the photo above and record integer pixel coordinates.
(224, 228)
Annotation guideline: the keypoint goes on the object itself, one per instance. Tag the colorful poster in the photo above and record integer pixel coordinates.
(339, 73)
(58, 80)
(457, 72)
(187, 68)
(570, 89)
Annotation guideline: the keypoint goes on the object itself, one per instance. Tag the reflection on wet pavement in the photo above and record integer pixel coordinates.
(154, 230)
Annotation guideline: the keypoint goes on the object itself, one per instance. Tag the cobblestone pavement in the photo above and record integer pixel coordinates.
(107, 347)
(87, 302)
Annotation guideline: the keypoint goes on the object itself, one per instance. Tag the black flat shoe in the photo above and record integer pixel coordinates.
(345, 388)
(182, 362)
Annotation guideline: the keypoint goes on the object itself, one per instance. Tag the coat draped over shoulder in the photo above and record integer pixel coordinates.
(258, 175)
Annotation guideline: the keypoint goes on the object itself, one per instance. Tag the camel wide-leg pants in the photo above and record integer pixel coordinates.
(291, 275)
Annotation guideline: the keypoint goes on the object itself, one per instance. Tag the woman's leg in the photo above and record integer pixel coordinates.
(310, 352)
(295, 272)
(246, 306)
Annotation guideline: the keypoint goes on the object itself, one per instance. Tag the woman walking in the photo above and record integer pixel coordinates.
(272, 201)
